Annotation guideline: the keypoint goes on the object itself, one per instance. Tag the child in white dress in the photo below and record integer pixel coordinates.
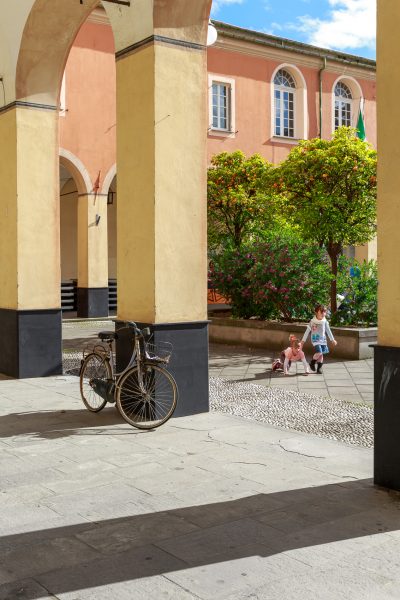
(320, 330)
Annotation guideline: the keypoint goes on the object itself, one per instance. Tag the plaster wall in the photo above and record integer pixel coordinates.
(162, 205)
(29, 225)
(12, 24)
(90, 85)
(92, 242)
(388, 174)
(253, 101)
(38, 217)
(8, 210)
(136, 193)
(68, 234)
(181, 217)
(40, 65)
(367, 251)
(176, 19)
(88, 126)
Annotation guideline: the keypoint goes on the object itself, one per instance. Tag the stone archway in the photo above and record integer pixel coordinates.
(160, 50)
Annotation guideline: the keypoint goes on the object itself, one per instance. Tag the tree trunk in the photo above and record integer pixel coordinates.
(334, 250)
(237, 240)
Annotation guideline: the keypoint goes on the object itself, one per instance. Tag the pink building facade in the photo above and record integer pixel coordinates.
(248, 64)
(264, 94)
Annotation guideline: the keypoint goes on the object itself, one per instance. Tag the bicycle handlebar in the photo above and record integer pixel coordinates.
(132, 325)
(142, 333)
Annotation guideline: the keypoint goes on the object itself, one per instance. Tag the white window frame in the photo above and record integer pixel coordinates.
(357, 98)
(286, 94)
(342, 103)
(300, 125)
(230, 130)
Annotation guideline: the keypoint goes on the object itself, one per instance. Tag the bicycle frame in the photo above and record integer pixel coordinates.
(135, 361)
(144, 391)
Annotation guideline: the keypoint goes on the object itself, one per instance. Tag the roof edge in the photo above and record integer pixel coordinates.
(266, 39)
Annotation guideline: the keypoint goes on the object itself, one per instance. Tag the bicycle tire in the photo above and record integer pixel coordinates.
(159, 404)
(97, 366)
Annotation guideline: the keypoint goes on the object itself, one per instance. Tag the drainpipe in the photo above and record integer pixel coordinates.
(320, 95)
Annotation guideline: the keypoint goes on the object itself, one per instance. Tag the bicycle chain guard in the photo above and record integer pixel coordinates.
(105, 388)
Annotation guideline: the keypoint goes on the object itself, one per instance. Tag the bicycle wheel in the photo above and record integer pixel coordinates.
(153, 407)
(94, 366)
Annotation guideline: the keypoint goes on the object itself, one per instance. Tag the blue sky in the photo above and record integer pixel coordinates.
(345, 25)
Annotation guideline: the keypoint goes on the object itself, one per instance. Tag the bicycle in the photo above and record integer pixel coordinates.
(145, 393)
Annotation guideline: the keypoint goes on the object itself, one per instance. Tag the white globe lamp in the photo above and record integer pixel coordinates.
(212, 34)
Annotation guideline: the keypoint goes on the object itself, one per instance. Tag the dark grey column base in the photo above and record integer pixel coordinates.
(30, 342)
(188, 365)
(387, 417)
(92, 302)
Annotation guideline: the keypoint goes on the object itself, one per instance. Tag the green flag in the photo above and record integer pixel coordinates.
(360, 126)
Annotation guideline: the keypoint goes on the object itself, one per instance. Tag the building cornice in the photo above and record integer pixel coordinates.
(253, 43)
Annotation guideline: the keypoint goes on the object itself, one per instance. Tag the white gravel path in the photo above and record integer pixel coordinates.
(319, 415)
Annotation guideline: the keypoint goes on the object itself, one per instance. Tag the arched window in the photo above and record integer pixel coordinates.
(284, 96)
(343, 105)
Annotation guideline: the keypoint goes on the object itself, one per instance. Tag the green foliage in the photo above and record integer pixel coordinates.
(277, 278)
(359, 284)
(328, 189)
(229, 274)
(237, 198)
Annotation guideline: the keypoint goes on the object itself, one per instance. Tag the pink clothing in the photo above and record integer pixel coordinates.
(294, 355)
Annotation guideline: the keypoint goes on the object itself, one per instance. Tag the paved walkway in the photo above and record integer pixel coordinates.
(345, 380)
(210, 507)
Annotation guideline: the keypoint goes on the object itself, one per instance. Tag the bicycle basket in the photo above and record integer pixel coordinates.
(160, 352)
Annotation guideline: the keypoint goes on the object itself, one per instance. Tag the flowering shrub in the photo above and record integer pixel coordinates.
(358, 282)
(277, 278)
(229, 274)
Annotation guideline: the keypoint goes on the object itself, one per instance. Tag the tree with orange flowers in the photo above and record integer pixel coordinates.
(238, 201)
(328, 190)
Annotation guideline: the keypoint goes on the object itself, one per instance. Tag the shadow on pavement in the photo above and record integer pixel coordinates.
(48, 424)
(77, 557)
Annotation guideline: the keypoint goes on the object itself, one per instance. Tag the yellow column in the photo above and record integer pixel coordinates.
(92, 256)
(161, 158)
(387, 352)
(388, 174)
(29, 224)
(29, 242)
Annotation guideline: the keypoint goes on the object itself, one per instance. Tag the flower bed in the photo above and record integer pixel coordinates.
(353, 343)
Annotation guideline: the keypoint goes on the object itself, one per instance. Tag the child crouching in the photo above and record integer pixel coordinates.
(293, 353)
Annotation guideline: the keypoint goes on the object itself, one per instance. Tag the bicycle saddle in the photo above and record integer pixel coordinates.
(107, 336)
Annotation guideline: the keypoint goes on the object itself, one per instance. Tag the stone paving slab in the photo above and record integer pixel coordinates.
(208, 507)
(344, 380)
